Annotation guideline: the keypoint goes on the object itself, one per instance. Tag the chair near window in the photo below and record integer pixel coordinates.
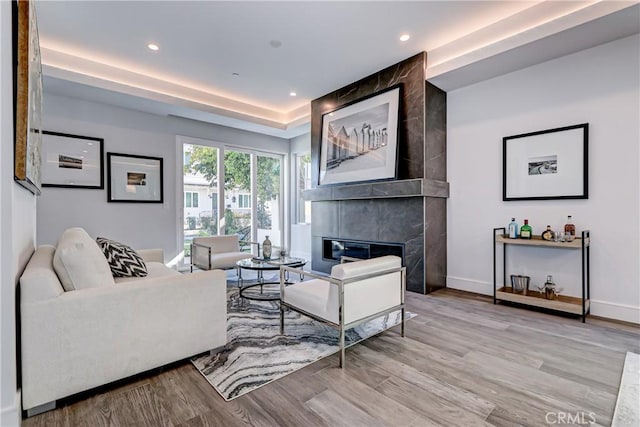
(219, 252)
(356, 292)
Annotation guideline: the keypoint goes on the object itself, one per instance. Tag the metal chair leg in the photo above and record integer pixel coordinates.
(342, 352)
(402, 322)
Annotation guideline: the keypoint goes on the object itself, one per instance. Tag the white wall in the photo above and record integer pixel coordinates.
(130, 132)
(599, 86)
(17, 232)
(300, 233)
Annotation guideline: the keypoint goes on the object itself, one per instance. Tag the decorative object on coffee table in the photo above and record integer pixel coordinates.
(266, 248)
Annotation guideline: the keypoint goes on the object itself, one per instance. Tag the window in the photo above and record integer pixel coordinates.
(191, 199)
(244, 201)
(303, 182)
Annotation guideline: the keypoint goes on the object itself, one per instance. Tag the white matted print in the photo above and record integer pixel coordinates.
(133, 178)
(71, 161)
(359, 141)
(549, 164)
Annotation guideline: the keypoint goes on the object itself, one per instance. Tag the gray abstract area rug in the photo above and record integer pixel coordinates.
(257, 354)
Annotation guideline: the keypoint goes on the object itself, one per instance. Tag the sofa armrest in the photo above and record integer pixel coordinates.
(200, 256)
(95, 336)
(151, 255)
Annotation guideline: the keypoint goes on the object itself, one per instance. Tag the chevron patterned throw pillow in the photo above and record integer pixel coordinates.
(123, 260)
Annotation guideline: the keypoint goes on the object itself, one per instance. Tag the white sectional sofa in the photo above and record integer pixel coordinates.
(75, 340)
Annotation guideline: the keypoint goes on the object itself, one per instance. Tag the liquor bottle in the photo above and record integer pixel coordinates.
(513, 229)
(569, 230)
(525, 230)
(266, 248)
(547, 234)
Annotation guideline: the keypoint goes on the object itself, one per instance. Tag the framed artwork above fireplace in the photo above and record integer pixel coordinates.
(359, 140)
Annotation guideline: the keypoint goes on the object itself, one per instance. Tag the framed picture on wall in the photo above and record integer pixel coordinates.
(134, 179)
(359, 140)
(546, 165)
(72, 161)
(27, 96)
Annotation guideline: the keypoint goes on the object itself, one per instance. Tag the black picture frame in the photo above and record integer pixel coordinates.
(366, 126)
(134, 178)
(550, 164)
(72, 161)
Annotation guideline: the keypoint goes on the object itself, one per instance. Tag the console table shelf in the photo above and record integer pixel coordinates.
(563, 303)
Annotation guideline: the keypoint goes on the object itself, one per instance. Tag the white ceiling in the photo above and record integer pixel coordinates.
(98, 50)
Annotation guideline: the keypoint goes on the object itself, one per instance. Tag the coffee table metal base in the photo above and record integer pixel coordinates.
(270, 296)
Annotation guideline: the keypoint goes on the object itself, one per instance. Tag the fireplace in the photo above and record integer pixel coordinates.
(333, 249)
(407, 215)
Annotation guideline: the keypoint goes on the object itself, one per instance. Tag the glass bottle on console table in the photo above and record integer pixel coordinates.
(569, 230)
(525, 230)
(266, 248)
(513, 229)
(547, 234)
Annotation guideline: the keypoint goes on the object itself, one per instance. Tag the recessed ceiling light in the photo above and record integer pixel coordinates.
(292, 94)
(153, 46)
(404, 37)
(235, 74)
(275, 43)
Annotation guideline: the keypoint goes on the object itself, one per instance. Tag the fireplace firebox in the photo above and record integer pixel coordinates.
(333, 249)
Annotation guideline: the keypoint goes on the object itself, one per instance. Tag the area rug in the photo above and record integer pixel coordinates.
(256, 354)
(627, 412)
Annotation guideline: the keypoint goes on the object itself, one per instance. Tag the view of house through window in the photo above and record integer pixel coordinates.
(303, 182)
(191, 199)
(246, 175)
(237, 190)
(200, 193)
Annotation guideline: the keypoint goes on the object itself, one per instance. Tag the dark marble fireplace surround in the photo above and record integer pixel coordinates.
(410, 210)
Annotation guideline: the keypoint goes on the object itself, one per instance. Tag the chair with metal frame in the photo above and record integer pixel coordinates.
(354, 293)
(219, 252)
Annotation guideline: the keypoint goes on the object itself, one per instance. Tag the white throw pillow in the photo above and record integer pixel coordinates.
(79, 262)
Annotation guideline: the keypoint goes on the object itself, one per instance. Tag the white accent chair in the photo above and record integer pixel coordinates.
(354, 293)
(218, 252)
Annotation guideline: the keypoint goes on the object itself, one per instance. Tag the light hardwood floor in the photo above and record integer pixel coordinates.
(464, 362)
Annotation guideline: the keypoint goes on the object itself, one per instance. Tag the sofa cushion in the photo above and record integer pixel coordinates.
(154, 271)
(79, 262)
(359, 268)
(123, 261)
(228, 260)
(313, 296)
(220, 244)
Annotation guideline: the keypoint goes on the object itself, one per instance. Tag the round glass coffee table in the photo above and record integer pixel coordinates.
(260, 266)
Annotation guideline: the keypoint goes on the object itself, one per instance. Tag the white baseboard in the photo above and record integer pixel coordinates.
(470, 285)
(609, 310)
(11, 416)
